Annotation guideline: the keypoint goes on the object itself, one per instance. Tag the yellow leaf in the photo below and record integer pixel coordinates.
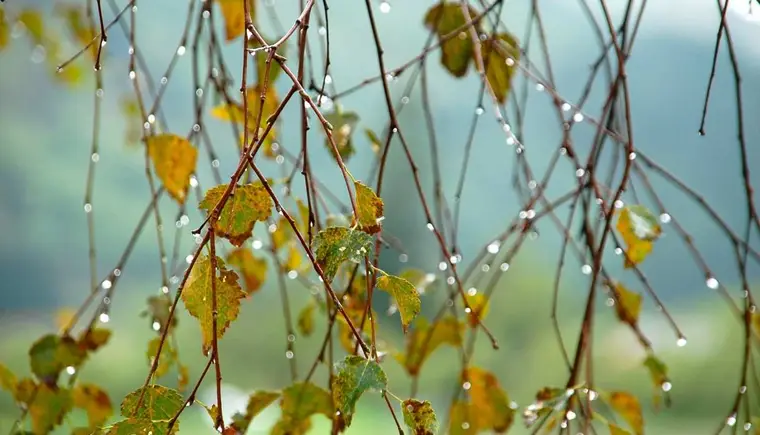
(369, 208)
(617, 430)
(197, 297)
(234, 112)
(174, 159)
(4, 30)
(95, 402)
(628, 305)
(299, 402)
(404, 294)
(456, 52)
(496, 52)
(234, 17)
(7, 380)
(167, 359)
(639, 229)
(48, 407)
(183, 377)
(479, 305)
(489, 399)
(464, 419)
(306, 320)
(32, 20)
(344, 124)
(246, 204)
(63, 317)
(253, 269)
(419, 347)
(629, 408)
(79, 28)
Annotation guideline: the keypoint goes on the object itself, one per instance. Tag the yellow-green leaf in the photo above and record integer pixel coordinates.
(419, 347)
(131, 426)
(419, 416)
(354, 376)
(233, 12)
(48, 407)
(51, 354)
(4, 30)
(298, 403)
(253, 269)
(344, 124)
(258, 401)
(500, 53)
(8, 380)
(234, 112)
(167, 359)
(628, 305)
(629, 408)
(639, 229)
(369, 207)
(247, 204)
(617, 430)
(478, 304)
(174, 159)
(406, 297)
(335, 245)
(418, 278)
(489, 399)
(158, 403)
(32, 20)
(306, 320)
(197, 297)
(79, 28)
(375, 144)
(456, 52)
(95, 402)
(463, 419)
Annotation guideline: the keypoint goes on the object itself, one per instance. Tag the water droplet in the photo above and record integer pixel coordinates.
(164, 80)
(207, 14)
(466, 385)
(87, 207)
(666, 386)
(403, 258)
(404, 100)
(196, 128)
(103, 43)
(164, 289)
(539, 87)
(530, 214)
(132, 75)
(181, 50)
(509, 61)
(215, 163)
(199, 92)
(106, 284)
(189, 258)
(532, 184)
(99, 92)
(510, 140)
(151, 118)
(291, 338)
(430, 226)
(272, 228)
(385, 7)
(570, 415)
(618, 251)
(472, 291)
(664, 218)
(479, 110)
(322, 31)
(586, 269)
(610, 302)
(131, 50)
(292, 274)
(442, 265)
(156, 326)
(619, 203)
(465, 425)
(712, 283)
(485, 268)
(450, 280)
(38, 54)
(747, 426)
(104, 317)
(566, 107)
(453, 259)
(493, 247)
(742, 389)
(71, 370)
(580, 172)
(289, 354)
(504, 267)
(280, 160)
(681, 342)
(578, 117)
(328, 79)
(731, 420)
(632, 156)
(117, 272)
(592, 395)
(563, 151)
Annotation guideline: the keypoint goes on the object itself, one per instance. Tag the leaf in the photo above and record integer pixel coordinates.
(374, 141)
(82, 32)
(234, 112)
(159, 308)
(168, 356)
(233, 12)
(253, 269)
(48, 407)
(258, 401)
(479, 308)
(629, 408)
(419, 347)
(8, 380)
(63, 317)
(444, 18)
(158, 403)
(369, 207)
(306, 320)
(335, 245)
(489, 399)
(658, 371)
(4, 30)
(298, 403)
(261, 61)
(617, 430)
(639, 229)
(628, 306)
(418, 278)
(183, 377)
(32, 20)
(419, 416)
(246, 204)
(496, 51)
(343, 124)
(132, 426)
(406, 297)
(197, 297)
(463, 419)
(174, 159)
(95, 402)
(51, 354)
(354, 376)
(294, 260)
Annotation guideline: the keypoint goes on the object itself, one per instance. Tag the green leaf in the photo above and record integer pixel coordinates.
(374, 141)
(94, 338)
(628, 306)
(419, 416)
(174, 159)
(463, 419)
(344, 124)
(8, 380)
(629, 408)
(306, 320)
(489, 399)
(406, 297)
(246, 205)
(47, 407)
(334, 245)
(158, 403)
(497, 51)
(419, 347)
(51, 354)
(444, 18)
(298, 403)
(94, 401)
(658, 371)
(258, 401)
(639, 229)
(354, 376)
(253, 269)
(197, 297)
(369, 207)
(168, 356)
(132, 426)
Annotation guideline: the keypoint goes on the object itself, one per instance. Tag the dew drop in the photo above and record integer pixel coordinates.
(99, 92)
(71, 370)
(479, 110)
(404, 100)
(472, 291)
(731, 420)
(385, 7)
(442, 265)
(207, 14)
(485, 268)
(131, 51)
(328, 79)
(632, 156)
(466, 385)
(712, 283)
(742, 389)
(586, 269)
(215, 163)
(322, 31)
(592, 395)
(156, 326)
(664, 218)
(280, 160)
(289, 354)
(610, 302)
(509, 61)
(532, 184)
(465, 425)
(578, 117)
(151, 118)
(199, 92)
(272, 228)
(95, 157)
(570, 415)
(450, 280)
(580, 172)
(666, 386)
(106, 284)
(196, 128)
(291, 338)
(292, 274)
(618, 251)
(566, 107)
(103, 43)
(619, 203)
(104, 317)
(189, 258)
(493, 247)
(87, 207)
(504, 267)
(681, 342)
(257, 244)
(747, 426)
(430, 226)
(164, 80)
(403, 258)
(181, 50)
(165, 290)
(539, 87)
(117, 272)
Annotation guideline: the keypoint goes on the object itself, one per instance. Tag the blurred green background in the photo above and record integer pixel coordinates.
(45, 133)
